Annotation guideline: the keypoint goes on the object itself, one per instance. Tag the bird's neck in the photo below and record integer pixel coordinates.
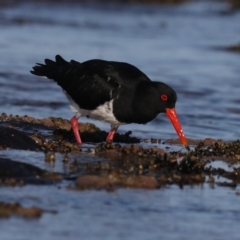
(138, 106)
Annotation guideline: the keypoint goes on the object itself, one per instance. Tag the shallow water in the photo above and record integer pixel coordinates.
(169, 213)
(179, 45)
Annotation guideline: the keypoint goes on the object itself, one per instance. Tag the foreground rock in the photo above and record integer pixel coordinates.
(133, 170)
(117, 180)
(49, 134)
(15, 209)
(14, 173)
(12, 138)
(235, 5)
(113, 165)
(234, 48)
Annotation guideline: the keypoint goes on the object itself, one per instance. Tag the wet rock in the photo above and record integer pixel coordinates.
(50, 157)
(132, 181)
(12, 138)
(111, 154)
(16, 173)
(232, 175)
(62, 139)
(191, 164)
(9, 209)
(128, 150)
(235, 4)
(93, 182)
(219, 149)
(66, 159)
(173, 141)
(48, 122)
(234, 48)
(100, 136)
(117, 165)
(115, 181)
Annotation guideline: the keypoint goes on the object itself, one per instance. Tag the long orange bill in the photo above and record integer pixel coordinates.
(172, 115)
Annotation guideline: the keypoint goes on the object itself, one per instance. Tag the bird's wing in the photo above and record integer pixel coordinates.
(88, 87)
(90, 83)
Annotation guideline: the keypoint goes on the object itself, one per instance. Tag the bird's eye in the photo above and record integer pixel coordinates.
(164, 97)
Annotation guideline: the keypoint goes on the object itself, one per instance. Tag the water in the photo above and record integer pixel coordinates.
(179, 45)
(126, 214)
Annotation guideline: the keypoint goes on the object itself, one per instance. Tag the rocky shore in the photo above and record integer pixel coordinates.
(124, 163)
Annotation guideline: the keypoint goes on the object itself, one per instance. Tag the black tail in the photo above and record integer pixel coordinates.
(51, 69)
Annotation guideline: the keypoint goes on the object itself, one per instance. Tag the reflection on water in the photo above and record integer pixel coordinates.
(126, 214)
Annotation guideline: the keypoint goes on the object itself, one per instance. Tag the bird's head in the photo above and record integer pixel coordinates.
(167, 98)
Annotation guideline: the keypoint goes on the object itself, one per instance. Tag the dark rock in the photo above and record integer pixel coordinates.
(17, 173)
(12, 138)
(234, 48)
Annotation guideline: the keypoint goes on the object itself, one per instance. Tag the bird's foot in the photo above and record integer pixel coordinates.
(111, 135)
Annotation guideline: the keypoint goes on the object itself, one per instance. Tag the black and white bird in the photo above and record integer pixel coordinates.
(114, 92)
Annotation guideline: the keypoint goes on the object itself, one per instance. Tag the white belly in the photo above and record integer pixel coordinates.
(102, 113)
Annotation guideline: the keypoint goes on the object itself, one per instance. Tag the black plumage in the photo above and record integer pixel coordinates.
(90, 84)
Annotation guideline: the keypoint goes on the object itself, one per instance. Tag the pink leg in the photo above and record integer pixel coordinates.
(74, 124)
(111, 134)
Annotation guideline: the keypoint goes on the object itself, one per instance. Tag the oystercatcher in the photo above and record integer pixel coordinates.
(114, 92)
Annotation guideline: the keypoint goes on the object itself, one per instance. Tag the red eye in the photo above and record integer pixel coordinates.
(164, 97)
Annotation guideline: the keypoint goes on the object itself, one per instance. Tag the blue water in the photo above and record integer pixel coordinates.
(169, 213)
(180, 45)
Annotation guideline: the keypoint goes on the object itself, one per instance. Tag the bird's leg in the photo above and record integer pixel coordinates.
(74, 124)
(111, 133)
